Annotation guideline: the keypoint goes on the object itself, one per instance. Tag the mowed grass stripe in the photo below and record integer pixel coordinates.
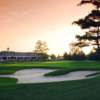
(62, 64)
(9, 68)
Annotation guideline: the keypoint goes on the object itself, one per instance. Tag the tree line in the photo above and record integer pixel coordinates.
(91, 24)
(76, 53)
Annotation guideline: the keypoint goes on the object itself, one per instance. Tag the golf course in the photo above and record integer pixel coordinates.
(64, 90)
(50, 50)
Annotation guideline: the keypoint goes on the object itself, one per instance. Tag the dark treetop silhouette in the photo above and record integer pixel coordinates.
(91, 22)
(94, 2)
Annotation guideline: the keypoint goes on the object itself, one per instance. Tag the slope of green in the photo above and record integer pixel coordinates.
(72, 90)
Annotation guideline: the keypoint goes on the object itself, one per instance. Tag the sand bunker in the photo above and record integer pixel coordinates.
(37, 76)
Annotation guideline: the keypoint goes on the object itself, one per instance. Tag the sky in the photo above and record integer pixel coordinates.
(24, 22)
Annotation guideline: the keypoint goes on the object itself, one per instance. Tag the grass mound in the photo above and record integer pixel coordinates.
(57, 72)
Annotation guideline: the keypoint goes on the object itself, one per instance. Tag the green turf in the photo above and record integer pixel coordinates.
(7, 81)
(9, 68)
(58, 72)
(72, 90)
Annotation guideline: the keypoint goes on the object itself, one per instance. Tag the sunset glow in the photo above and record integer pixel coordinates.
(23, 22)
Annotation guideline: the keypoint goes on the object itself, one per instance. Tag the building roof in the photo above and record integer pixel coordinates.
(12, 53)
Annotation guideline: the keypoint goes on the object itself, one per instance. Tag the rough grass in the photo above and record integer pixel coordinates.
(72, 90)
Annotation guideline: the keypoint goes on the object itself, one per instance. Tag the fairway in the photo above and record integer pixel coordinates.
(88, 89)
(50, 50)
(11, 67)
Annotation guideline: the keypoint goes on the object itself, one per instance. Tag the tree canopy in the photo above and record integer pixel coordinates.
(91, 25)
(41, 47)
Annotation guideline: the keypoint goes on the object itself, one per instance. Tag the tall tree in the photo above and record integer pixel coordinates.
(91, 22)
(41, 47)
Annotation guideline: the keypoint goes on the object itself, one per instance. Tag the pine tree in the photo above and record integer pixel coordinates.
(91, 22)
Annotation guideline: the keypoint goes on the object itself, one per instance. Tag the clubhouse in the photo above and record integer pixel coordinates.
(18, 56)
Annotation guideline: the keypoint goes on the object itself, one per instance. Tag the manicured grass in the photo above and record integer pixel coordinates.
(7, 81)
(72, 90)
(57, 64)
(57, 72)
(9, 68)
(69, 90)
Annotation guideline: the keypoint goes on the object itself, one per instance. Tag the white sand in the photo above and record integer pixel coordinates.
(37, 76)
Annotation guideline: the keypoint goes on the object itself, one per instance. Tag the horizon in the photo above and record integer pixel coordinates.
(25, 22)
